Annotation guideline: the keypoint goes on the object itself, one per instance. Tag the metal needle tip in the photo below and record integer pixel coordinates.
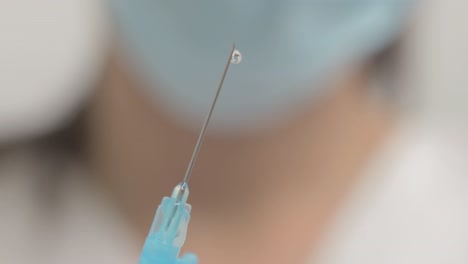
(188, 173)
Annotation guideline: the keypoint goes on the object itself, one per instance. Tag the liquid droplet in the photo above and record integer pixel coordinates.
(236, 57)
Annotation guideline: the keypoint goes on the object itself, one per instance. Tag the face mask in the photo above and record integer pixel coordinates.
(290, 49)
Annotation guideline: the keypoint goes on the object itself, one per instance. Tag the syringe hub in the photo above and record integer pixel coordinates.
(181, 192)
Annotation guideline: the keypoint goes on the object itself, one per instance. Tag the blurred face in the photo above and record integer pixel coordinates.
(293, 52)
(289, 69)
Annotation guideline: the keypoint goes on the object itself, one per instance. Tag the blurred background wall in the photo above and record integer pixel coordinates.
(51, 54)
(436, 53)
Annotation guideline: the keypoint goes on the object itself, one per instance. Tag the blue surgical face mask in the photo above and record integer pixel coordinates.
(291, 51)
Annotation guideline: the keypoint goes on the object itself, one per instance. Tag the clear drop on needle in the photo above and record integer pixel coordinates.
(236, 57)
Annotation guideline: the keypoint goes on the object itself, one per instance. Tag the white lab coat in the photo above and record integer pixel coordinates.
(410, 206)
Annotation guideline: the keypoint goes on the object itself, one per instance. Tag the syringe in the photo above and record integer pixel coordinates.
(168, 231)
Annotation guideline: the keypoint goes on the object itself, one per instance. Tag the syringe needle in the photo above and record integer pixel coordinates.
(233, 58)
(169, 229)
